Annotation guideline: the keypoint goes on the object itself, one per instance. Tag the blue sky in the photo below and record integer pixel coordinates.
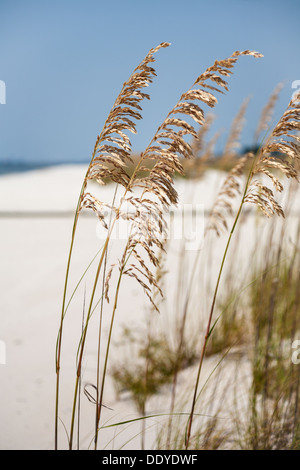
(64, 62)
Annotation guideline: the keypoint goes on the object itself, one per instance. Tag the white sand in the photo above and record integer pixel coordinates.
(33, 255)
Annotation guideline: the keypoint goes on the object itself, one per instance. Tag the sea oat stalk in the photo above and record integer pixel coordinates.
(280, 152)
(114, 146)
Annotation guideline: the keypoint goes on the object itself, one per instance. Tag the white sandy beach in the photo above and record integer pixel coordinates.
(33, 255)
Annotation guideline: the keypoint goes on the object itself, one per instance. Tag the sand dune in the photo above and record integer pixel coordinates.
(36, 220)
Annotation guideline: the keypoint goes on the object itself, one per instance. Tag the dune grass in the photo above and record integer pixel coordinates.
(145, 186)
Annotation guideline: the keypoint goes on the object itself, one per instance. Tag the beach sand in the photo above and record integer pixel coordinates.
(36, 211)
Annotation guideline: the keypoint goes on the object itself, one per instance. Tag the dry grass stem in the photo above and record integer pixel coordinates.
(278, 156)
(267, 113)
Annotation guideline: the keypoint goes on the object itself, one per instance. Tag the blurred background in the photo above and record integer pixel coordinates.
(62, 65)
(64, 62)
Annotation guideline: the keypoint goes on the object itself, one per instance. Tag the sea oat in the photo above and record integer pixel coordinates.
(202, 150)
(112, 149)
(233, 141)
(267, 112)
(169, 146)
(160, 161)
(230, 189)
(280, 153)
(198, 143)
